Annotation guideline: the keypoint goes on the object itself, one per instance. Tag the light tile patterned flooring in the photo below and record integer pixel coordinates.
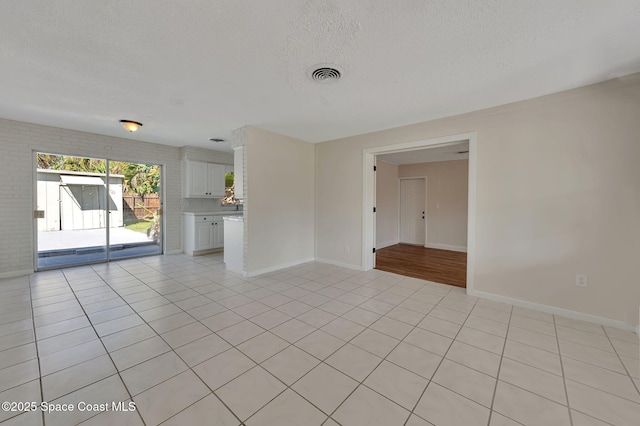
(316, 344)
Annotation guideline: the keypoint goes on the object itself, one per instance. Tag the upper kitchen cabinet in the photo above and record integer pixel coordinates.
(203, 180)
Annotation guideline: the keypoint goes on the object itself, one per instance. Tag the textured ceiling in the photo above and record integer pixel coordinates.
(195, 70)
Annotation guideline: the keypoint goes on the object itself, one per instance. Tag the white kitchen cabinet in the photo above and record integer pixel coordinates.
(203, 236)
(218, 233)
(203, 180)
(216, 174)
(202, 233)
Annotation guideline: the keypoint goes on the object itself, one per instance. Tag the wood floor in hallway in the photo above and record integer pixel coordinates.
(441, 266)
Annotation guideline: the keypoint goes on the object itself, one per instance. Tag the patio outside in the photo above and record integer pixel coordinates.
(76, 198)
(58, 248)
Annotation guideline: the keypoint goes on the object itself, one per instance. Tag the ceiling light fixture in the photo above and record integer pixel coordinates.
(131, 126)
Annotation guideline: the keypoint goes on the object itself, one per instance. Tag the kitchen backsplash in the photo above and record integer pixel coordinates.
(205, 205)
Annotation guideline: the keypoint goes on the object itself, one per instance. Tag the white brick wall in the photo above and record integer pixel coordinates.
(207, 155)
(239, 138)
(18, 143)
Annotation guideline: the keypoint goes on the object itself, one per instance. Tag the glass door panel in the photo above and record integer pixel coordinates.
(71, 196)
(136, 216)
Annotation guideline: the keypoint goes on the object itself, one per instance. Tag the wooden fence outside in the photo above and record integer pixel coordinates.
(135, 206)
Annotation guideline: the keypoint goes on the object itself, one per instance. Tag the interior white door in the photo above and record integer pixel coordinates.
(412, 211)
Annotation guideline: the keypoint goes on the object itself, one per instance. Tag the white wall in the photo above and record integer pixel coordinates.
(19, 140)
(447, 196)
(279, 197)
(387, 207)
(557, 194)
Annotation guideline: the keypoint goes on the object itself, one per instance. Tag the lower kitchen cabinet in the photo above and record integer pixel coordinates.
(202, 233)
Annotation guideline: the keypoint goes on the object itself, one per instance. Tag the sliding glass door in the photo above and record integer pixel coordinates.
(93, 210)
(135, 228)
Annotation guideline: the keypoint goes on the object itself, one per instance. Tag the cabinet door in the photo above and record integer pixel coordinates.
(216, 179)
(198, 179)
(203, 236)
(218, 237)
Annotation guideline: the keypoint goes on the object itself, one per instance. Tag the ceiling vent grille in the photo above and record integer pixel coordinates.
(324, 74)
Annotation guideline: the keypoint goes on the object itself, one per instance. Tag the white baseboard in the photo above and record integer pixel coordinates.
(277, 268)
(19, 273)
(387, 244)
(445, 247)
(341, 264)
(554, 310)
(174, 251)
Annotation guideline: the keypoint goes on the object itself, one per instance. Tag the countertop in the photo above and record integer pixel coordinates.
(219, 213)
(234, 218)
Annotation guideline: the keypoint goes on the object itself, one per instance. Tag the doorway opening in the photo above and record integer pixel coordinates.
(443, 242)
(91, 210)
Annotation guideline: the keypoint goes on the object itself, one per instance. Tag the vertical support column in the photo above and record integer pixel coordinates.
(238, 142)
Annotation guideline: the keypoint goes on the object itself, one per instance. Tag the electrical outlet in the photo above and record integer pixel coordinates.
(582, 280)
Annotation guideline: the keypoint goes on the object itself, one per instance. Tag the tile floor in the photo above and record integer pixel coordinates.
(190, 344)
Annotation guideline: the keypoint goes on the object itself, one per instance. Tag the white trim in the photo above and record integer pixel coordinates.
(471, 211)
(163, 216)
(553, 310)
(374, 202)
(276, 268)
(34, 206)
(368, 200)
(174, 251)
(446, 247)
(387, 244)
(368, 156)
(18, 273)
(341, 264)
(315, 201)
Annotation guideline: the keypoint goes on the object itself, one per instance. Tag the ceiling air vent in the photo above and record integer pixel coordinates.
(216, 140)
(324, 74)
